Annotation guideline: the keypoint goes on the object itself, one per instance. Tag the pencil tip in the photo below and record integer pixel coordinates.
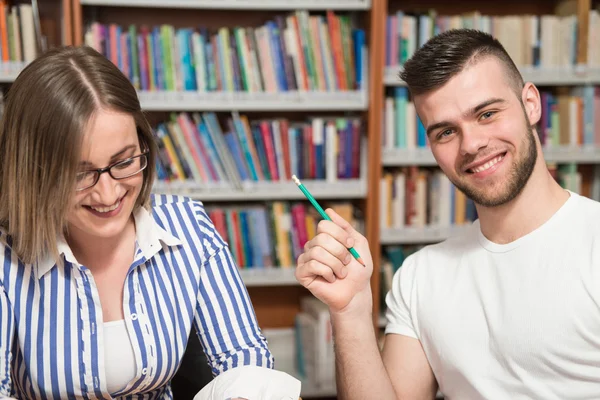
(360, 260)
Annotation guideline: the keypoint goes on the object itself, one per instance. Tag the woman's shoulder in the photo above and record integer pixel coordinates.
(175, 204)
(181, 210)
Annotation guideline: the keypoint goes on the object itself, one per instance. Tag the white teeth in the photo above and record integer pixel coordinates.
(107, 209)
(487, 165)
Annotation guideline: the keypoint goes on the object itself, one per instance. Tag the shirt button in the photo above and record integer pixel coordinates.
(134, 316)
(144, 371)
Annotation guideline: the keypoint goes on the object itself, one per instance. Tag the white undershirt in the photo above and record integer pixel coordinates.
(119, 359)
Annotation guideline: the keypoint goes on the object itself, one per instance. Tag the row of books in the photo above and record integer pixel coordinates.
(272, 234)
(418, 197)
(544, 41)
(18, 39)
(297, 52)
(569, 117)
(198, 147)
(584, 180)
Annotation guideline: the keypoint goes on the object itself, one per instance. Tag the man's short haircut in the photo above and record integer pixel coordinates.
(447, 54)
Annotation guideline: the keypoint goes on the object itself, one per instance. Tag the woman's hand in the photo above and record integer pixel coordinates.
(330, 272)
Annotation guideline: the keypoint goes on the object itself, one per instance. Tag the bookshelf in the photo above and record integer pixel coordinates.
(397, 157)
(238, 4)
(419, 235)
(274, 290)
(10, 70)
(560, 76)
(347, 189)
(226, 101)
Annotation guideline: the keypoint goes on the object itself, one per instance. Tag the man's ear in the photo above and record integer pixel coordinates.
(530, 96)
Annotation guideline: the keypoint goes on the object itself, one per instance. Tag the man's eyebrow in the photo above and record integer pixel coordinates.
(474, 110)
(84, 163)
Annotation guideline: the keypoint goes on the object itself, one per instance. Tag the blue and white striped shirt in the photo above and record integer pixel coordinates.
(51, 336)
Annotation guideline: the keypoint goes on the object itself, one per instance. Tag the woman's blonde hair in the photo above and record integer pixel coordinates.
(45, 116)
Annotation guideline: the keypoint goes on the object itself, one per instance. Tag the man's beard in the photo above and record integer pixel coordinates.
(520, 172)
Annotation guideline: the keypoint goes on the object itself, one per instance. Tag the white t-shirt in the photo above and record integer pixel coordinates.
(514, 321)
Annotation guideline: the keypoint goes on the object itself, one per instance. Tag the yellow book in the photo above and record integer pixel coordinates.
(175, 163)
(460, 207)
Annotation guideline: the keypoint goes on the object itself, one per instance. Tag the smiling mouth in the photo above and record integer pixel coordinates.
(109, 208)
(487, 165)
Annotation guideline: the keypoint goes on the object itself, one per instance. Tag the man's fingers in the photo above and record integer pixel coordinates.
(326, 258)
(312, 269)
(341, 222)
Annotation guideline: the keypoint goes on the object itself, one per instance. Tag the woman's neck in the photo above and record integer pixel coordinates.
(95, 252)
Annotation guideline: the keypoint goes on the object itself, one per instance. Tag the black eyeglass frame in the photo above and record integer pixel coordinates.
(100, 171)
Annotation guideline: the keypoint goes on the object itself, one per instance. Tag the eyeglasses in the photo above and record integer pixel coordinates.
(119, 170)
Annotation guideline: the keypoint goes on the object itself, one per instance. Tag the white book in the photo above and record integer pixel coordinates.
(199, 61)
(383, 203)
(399, 202)
(331, 145)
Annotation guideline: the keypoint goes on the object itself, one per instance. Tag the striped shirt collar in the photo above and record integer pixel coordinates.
(149, 236)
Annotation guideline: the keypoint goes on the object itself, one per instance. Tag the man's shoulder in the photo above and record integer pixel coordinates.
(459, 240)
(585, 213)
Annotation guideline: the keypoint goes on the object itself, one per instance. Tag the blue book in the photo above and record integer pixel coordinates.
(236, 152)
(241, 135)
(260, 149)
(246, 237)
(119, 48)
(421, 134)
(158, 65)
(277, 55)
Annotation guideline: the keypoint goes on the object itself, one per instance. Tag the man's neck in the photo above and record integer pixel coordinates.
(541, 197)
(94, 252)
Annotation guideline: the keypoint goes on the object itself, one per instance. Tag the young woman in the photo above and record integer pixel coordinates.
(100, 282)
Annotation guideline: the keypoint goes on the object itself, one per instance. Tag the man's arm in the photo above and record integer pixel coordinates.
(328, 270)
(362, 373)
(408, 368)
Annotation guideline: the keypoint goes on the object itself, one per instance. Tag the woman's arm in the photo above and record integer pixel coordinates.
(225, 318)
(227, 327)
(7, 329)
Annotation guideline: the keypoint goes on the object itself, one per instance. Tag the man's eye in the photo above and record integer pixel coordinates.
(444, 134)
(487, 114)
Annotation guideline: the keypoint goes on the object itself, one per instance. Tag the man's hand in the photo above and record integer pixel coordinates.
(330, 272)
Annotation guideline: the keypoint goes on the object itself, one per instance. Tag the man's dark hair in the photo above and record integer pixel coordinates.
(447, 54)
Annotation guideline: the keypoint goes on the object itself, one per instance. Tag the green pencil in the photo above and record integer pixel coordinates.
(322, 213)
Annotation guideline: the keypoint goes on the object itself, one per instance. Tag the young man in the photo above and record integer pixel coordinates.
(511, 309)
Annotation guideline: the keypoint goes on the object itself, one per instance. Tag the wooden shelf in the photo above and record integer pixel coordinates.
(238, 4)
(341, 189)
(269, 276)
(560, 154)
(420, 235)
(539, 76)
(244, 101)
(10, 70)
